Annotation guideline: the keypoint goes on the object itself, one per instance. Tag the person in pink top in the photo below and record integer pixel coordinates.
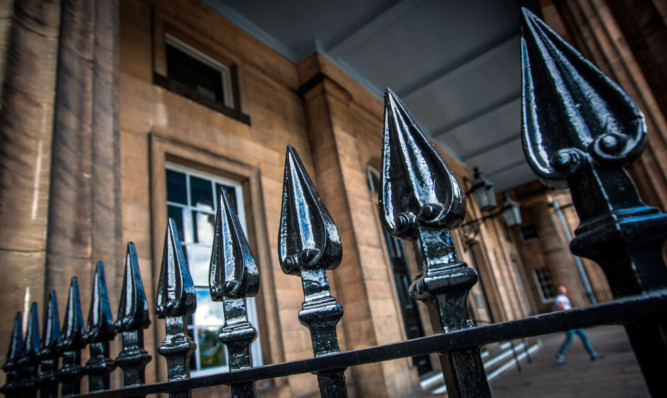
(563, 303)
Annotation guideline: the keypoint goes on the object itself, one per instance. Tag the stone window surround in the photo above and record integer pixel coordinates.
(165, 30)
(203, 287)
(164, 151)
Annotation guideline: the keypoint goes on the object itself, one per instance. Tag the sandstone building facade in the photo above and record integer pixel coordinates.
(101, 140)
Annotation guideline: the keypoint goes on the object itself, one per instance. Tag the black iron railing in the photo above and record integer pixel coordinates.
(578, 127)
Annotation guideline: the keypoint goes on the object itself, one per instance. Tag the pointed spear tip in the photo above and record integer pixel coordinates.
(51, 334)
(72, 327)
(177, 299)
(133, 307)
(526, 13)
(32, 342)
(390, 97)
(290, 155)
(171, 226)
(16, 342)
(100, 325)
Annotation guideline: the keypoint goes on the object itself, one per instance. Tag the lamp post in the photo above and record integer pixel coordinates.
(485, 197)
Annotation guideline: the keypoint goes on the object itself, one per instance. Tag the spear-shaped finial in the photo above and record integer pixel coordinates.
(99, 332)
(233, 277)
(29, 360)
(417, 186)
(572, 113)
(49, 353)
(71, 343)
(581, 129)
(421, 200)
(309, 245)
(175, 300)
(133, 318)
(11, 365)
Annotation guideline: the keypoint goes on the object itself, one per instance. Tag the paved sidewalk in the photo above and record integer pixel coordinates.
(615, 375)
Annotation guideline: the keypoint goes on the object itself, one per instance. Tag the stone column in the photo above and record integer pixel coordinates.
(596, 33)
(557, 256)
(363, 281)
(29, 45)
(84, 208)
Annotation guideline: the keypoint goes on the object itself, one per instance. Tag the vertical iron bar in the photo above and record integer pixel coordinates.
(71, 343)
(525, 344)
(133, 318)
(421, 201)
(577, 260)
(48, 354)
(100, 331)
(11, 367)
(515, 356)
(176, 300)
(309, 245)
(233, 276)
(580, 127)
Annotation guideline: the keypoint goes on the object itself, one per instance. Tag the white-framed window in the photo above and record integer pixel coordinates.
(528, 233)
(198, 72)
(545, 284)
(373, 179)
(191, 202)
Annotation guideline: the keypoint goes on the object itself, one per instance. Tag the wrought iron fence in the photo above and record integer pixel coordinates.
(578, 127)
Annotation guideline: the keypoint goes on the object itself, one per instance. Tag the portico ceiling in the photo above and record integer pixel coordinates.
(456, 64)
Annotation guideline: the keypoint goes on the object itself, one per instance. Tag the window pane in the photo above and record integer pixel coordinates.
(201, 193)
(209, 313)
(203, 228)
(199, 263)
(176, 213)
(211, 352)
(176, 191)
(194, 74)
(231, 194)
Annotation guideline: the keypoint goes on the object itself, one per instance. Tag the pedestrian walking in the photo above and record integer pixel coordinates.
(563, 303)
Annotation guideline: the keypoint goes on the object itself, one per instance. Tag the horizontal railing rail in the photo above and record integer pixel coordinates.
(622, 311)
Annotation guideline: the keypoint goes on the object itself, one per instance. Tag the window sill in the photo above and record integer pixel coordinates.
(168, 84)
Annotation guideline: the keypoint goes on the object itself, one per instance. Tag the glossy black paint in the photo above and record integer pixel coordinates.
(71, 342)
(133, 318)
(308, 245)
(48, 353)
(233, 277)
(11, 365)
(176, 300)
(29, 360)
(421, 201)
(581, 129)
(100, 331)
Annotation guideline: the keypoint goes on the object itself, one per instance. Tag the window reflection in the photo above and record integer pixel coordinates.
(201, 193)
(203, 228)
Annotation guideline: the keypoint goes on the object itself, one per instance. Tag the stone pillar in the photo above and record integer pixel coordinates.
(557, 256)
(29, 51)
(363, 280)
(84, 207)
(596, 34)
